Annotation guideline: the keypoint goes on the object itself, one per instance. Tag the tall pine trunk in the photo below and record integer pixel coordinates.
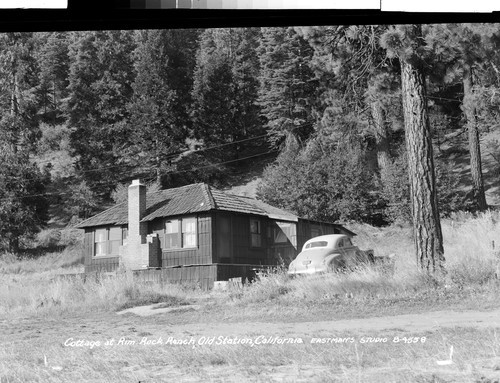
(423, 195)
(381, 136)
(469, 109)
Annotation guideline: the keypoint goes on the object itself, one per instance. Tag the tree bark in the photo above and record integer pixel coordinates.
(469, 109)
(428, 237)
(381, 137)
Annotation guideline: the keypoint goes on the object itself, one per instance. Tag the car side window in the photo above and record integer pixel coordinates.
(340, 243)
(347, 242)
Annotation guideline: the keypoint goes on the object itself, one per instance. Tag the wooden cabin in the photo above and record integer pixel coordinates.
(195, 233)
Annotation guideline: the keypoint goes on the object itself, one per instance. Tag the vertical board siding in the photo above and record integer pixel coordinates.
(202, 254)
(243, 253)
(202, 275)
(101, 265)
(304, 231)
(93, 264)
(88, 244)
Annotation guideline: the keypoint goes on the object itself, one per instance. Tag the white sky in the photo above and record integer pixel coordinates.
(33, 3)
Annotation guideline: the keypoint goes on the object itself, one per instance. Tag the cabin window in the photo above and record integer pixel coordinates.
(107, 241)
(115, 240)
(172, 234)
(101, 236)
(255, 233)
(285, 232)
(189, 232)
(180, 233)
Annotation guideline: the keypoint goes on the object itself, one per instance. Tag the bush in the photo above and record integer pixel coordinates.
(321, 181)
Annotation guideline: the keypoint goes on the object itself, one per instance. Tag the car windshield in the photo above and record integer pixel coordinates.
(316, 244)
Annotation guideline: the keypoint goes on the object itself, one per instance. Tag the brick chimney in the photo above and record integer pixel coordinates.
(137, 230)
(141, 250)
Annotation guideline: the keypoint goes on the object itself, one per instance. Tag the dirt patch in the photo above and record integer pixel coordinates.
(158, 308)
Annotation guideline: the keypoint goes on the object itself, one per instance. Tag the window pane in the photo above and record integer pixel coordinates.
(115, 233)
(282, 232)
(254, 226)
(255, 233)
(256, 240)
(171, 240)
(172, 226)
(100, 248)
(101, 235)
(189, 232)
(188, 225)
(317, 244)
(189, 240)
(114, 247)
(100, 238)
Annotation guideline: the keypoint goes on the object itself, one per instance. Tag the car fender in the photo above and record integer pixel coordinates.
(334, 261)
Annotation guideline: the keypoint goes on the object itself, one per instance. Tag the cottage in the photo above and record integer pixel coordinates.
(195, 233)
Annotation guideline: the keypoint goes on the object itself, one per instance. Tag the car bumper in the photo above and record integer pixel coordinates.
(307, 271)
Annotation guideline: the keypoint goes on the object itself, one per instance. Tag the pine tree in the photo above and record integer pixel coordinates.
(99, 89)
(225, 90)
(52, 57)
(288, 86)
(466, 47)
(18, 82)
(23, 206)
(407, 44)
(159, 107)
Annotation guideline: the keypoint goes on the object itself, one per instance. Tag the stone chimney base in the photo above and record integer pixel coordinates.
(135, 255)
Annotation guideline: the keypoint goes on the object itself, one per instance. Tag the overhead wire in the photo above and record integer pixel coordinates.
(152, 170)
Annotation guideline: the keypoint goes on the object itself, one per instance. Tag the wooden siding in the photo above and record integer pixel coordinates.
(241, 250)
(202, 254)
(305, 231)
(97, 264)
(101, 265)
(201, 275)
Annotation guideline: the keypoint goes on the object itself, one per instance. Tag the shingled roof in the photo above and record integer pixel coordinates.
(188, 199)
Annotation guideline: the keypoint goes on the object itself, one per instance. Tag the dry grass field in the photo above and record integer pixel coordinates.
(367, 326)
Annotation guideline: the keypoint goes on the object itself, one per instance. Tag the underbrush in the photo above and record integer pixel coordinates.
(30, 285)
(70, 259)
(46, 294)
(472, 262)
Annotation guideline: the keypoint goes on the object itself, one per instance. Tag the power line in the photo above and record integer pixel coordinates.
(188, 151)
(168, 172)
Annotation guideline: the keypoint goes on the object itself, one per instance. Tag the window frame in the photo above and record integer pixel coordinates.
(284, 230)
(180, 239)
(193, 233)
(257, 234)
(107, 242)
(177, 246)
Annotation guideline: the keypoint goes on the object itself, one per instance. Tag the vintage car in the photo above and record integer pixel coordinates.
(328, 253)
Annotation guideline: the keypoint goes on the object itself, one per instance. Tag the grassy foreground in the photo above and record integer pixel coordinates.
(31, 291)
(30, 286)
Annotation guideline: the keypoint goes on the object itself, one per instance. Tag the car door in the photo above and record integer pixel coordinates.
(340, 261)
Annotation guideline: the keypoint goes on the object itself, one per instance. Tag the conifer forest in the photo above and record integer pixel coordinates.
(372, 123)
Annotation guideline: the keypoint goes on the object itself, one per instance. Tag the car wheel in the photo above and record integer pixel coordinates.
(339, 266)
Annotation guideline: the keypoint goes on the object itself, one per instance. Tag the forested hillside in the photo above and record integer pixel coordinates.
(322, 109)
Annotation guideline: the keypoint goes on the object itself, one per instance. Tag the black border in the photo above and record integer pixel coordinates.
(95, 15)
